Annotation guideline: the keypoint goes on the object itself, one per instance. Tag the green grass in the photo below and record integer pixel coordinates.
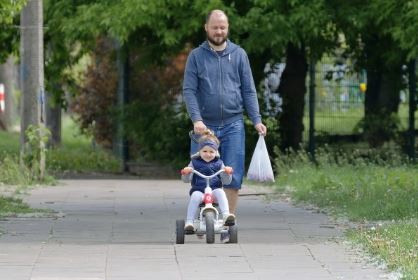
(12, 173)
(344, 121)
(9, 143)
(359, 192)
(368, 188)
(395, 244)
(77, 153)
(10, 206)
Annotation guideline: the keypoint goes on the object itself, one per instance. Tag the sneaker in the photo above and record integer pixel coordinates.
(229, 220)
(189, 228)
(225, 237)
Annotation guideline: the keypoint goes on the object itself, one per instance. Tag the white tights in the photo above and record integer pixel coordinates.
(197, 197)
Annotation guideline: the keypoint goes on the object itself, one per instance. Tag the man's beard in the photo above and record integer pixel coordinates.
(217, 43)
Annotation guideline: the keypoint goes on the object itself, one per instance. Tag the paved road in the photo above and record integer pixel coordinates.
(124, 230)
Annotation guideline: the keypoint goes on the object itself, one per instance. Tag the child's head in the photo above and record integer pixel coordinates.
(208, 146)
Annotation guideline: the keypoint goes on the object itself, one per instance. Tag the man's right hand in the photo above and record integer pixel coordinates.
(261, 129)
(199, 127)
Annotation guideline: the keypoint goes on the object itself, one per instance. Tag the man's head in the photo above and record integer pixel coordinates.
(216, 27)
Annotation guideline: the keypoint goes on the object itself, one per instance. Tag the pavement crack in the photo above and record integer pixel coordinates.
(177, 262)
(324, 266)
(246, 258)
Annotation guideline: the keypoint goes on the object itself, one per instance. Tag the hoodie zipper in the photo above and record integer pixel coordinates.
(221, 89)
(220, 85)
(221, 94)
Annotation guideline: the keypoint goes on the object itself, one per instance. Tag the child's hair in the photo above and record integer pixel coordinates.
(208, 135)
(208, 138)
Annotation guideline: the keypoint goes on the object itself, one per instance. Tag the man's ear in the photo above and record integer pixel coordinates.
(206, 27)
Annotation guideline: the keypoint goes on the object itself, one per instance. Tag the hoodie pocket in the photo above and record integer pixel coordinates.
(232, 89)
(233, 101)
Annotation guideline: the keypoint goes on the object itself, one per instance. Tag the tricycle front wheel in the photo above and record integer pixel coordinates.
(210, 227)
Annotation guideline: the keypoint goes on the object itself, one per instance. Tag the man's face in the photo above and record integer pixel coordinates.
(217, 29)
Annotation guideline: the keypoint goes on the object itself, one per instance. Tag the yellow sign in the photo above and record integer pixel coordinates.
(363, 87)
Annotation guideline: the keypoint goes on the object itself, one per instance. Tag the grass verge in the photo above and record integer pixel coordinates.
(368, 188)
(79, 154)
(11, 206)
(395, 244)
(76, 154)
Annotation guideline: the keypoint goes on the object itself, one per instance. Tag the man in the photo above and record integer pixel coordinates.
(218, 85)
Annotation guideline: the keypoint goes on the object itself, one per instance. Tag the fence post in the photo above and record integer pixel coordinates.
(412, 108)
(121, 143)
(311, 147)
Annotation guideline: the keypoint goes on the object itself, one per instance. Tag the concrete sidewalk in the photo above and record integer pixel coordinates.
(124, 229)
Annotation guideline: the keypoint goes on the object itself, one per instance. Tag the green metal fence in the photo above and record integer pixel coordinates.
(336, 102)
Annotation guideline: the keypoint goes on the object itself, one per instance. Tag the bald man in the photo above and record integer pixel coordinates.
(218, 86)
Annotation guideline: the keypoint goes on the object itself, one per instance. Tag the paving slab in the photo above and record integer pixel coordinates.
(125, 230)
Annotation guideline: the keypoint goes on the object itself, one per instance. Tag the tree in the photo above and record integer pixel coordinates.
(300, 31)
(376, 35)
(9, 13)
(9, 10)
(153, 31)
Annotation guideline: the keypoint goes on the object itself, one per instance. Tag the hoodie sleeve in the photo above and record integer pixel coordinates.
(190, 84)
(249, 93)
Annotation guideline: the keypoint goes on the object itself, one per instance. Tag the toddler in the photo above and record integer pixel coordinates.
(207, 162)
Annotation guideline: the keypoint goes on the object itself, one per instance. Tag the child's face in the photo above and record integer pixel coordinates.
(207, 153)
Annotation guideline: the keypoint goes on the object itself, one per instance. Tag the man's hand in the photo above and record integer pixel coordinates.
(261, 129)
(186, 171)
(228, 170)
(199, 127)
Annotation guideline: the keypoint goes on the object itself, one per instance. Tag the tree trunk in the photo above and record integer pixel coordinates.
(382, 91)
(53, 123)
(382, 95)
(292, 89)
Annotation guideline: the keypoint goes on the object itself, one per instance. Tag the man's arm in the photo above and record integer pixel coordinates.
(190, 85)
(248, 91)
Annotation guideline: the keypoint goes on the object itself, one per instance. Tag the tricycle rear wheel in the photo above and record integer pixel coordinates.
(233, 234)
(180, 231)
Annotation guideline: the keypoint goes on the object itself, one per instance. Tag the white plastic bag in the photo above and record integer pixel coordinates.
(260, 167)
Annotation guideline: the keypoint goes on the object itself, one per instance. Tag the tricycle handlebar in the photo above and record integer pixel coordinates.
(206, 176)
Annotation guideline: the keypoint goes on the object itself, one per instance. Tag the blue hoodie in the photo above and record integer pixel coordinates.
(217, 87)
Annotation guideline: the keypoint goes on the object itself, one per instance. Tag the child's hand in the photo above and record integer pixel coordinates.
(186, 171)
(228, 170)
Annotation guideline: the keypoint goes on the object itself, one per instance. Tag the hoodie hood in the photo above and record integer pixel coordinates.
(230, 47)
